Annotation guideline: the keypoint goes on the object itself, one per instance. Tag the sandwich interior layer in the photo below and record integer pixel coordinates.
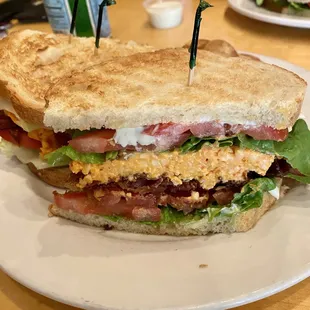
(208, 166)
(172, 225)
(209, 152)
(159, 201)
(203, 178)
(28, 142)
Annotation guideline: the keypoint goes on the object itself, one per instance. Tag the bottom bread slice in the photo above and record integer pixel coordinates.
(238, 223)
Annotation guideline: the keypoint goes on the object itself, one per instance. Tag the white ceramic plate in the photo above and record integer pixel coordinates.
(95, 269)
(250, 9)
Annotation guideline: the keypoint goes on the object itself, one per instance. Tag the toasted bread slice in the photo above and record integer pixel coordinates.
(60, 177)
(31, 62)
(151, 88)
(238, 223)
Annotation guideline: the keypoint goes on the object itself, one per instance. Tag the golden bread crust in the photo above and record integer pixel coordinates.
(60, 177)
(151, 88)
(32, 61)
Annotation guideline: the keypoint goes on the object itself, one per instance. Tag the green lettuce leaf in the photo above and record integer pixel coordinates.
(251, 195)
(63, 156)
(194, 144)
(171, 215)
(227, 142)
(299, 178)
(259, 2)
(295, 149)
(213, 212)
(298, 6)
(77, 133)
(262, 146)
(281, 3)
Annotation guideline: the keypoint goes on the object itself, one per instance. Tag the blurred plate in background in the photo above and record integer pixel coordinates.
(248, 8)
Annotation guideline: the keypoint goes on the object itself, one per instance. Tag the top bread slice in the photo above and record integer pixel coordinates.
(31, 62)
(151, 88)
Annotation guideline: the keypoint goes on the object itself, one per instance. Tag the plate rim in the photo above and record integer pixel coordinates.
(277, 18)
(240, 300)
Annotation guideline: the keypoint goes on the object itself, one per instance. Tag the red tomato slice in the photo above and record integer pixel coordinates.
(6, 135)
(21, 139)
(29, 143)
(210, 129)
(207, 129)
(139, 207)
(171, 135)
(267, 133)
(169, 129)
(95, 142)
(74, 201)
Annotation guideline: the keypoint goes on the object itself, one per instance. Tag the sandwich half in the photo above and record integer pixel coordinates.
(153, 155)
(30, 63)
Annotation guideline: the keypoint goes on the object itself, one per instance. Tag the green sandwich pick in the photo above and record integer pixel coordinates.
(99, 23)
(194, 45)
(73, 21)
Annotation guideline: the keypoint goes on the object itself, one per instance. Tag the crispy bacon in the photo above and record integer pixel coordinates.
(139, 199)
(223, 196)
(183, 203)
(157, 187)
(6, 122)
(280, 168)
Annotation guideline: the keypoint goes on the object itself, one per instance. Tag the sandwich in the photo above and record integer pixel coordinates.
(153, 155)
(291, 7)
(30, 63)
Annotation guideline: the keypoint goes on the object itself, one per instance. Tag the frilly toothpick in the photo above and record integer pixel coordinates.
(193, 48)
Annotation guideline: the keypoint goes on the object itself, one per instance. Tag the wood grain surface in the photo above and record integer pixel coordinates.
(129, 22)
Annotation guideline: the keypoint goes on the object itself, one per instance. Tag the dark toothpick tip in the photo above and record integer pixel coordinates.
(204, 5)
(194, 44)
(74, 14)
(99, 23)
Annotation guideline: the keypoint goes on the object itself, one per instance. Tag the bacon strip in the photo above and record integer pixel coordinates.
(139, 200)
(6, 122)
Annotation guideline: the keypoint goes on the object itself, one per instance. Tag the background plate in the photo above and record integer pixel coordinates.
(95, 269)
(250, 9)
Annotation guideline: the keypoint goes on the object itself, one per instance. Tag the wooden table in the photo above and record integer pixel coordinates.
(129, 22)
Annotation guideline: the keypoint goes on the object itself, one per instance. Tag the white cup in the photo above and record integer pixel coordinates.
(164, 14)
